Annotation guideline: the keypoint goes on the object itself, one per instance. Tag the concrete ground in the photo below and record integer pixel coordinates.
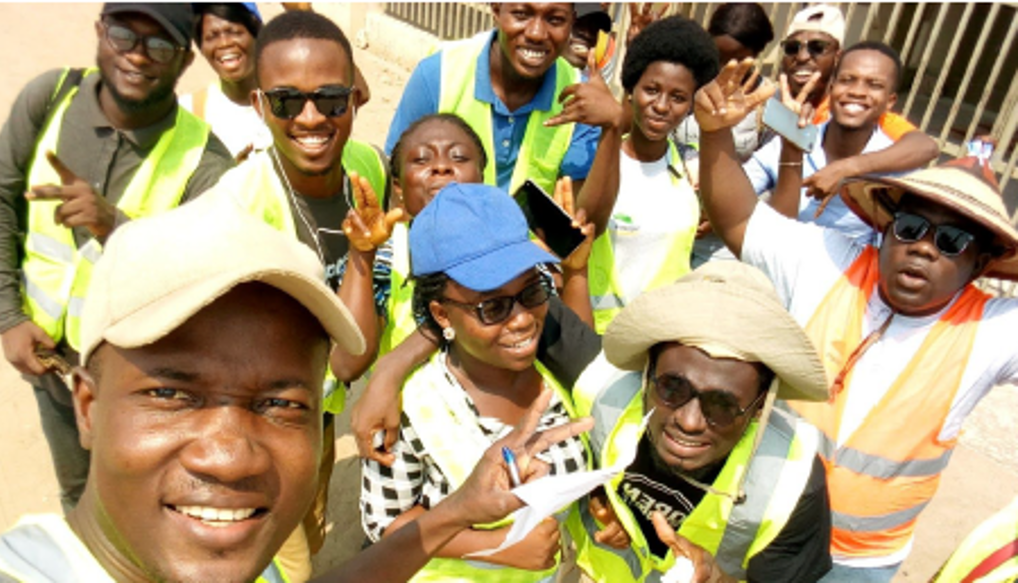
(982, 477)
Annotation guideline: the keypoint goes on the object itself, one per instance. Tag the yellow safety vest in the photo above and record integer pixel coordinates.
(543, 148)
(732, 533)
(55, 271)
(400, 321)
(606, 295)
(44, 548)
(444, 424)
(255, 188)
(989, 554)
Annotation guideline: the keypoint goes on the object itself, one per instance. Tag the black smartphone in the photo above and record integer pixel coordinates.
(547, 220)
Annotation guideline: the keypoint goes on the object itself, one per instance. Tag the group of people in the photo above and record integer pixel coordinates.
(788, 406)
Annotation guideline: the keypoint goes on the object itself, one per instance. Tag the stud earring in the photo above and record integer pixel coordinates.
(449, 334)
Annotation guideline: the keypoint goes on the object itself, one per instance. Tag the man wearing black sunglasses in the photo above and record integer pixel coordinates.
(80, 154)
(702, 360)
(910, 345)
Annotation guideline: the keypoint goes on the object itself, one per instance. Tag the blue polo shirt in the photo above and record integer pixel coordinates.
(420, 98)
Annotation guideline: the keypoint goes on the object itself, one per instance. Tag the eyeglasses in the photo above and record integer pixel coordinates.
(719, 408)
(124, 40)
(288, 103)
(949, 240)
(496, 310)
(815, 47)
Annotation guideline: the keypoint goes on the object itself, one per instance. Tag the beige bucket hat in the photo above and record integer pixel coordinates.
(966, 186)
(729, 310)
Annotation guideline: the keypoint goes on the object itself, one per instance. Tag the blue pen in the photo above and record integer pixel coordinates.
(510, 460)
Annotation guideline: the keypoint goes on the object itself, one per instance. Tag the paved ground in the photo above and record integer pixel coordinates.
(982, 477)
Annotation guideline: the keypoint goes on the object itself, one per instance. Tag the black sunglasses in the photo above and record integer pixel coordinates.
(124, 40)
(496, 310)
(815, 47)
(949, 240)
(719, 408)
(288, 103)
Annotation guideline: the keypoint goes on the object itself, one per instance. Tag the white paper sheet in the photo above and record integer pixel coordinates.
(549, 494)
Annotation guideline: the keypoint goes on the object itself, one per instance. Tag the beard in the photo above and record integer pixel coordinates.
(129, 105)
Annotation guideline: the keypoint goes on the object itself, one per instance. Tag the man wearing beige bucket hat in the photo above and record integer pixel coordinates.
(704, 359)
(200, 403)
(909, 344)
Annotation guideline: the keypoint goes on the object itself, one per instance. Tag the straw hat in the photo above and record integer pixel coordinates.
(729, 310)
(965, 186)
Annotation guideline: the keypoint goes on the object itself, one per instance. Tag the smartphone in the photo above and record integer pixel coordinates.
(547, 219)
(785, 121)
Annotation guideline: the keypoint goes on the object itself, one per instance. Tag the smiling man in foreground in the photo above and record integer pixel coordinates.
(200, 402)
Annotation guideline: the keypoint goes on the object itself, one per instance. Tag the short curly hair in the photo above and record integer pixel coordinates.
(428, 288)
(676, 40)
(299, 24)
(745, 22)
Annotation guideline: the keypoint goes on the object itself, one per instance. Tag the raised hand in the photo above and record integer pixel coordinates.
(563, 196)
(641, 16)
(797, 103)
(486, 495)
(366, 225)
(707, 569)
(730, 97)
(80, 205)
(591, 103)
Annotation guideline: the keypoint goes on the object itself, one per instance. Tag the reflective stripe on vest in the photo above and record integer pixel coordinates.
(887, 471)
(274, 573)
(732, 533)
(56, 272)
(255, 188)
(443, 422)
(543, 149)
(400, 321)
(606, 294)
(989, 554)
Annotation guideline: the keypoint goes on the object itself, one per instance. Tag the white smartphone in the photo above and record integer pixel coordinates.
(784, 121)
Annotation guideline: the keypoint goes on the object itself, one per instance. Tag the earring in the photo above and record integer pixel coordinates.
(449, 334)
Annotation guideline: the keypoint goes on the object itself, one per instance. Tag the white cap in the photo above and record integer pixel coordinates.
(158, 272)
(820, 18)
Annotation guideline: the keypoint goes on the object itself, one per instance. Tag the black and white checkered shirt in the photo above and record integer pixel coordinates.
(415, 478)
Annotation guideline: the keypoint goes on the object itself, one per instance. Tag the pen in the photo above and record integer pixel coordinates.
(510, 460)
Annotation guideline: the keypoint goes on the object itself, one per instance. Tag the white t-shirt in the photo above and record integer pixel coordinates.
(804, 261)
(762, 169)
(650, 209)
(236, 125)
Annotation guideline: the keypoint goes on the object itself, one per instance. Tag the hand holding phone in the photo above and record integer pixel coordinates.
(785, 122)
(548, 220)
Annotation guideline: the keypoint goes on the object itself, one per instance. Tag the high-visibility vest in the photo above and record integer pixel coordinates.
(443, 422)
(606, 295)
(733, 533)
(989, 554)
(44, 548)
(254, 188)
(543, 148)
(400, 321)
(882, 477)
(55, 271)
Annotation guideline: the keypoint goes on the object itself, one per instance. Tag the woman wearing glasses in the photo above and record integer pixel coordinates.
(478, 290)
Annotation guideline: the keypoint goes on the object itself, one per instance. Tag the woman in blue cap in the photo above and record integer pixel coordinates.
(478, 289)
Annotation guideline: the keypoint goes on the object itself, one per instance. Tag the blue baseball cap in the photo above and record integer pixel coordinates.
(475, 234)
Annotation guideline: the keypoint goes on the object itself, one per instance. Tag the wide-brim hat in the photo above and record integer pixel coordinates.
(965, 186)
(729, 310)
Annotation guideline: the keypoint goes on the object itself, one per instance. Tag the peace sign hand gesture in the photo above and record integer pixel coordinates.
(591, 103)
(726, 100)
(366, 225)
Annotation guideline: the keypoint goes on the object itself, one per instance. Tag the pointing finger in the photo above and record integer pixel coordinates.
(66, 176)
